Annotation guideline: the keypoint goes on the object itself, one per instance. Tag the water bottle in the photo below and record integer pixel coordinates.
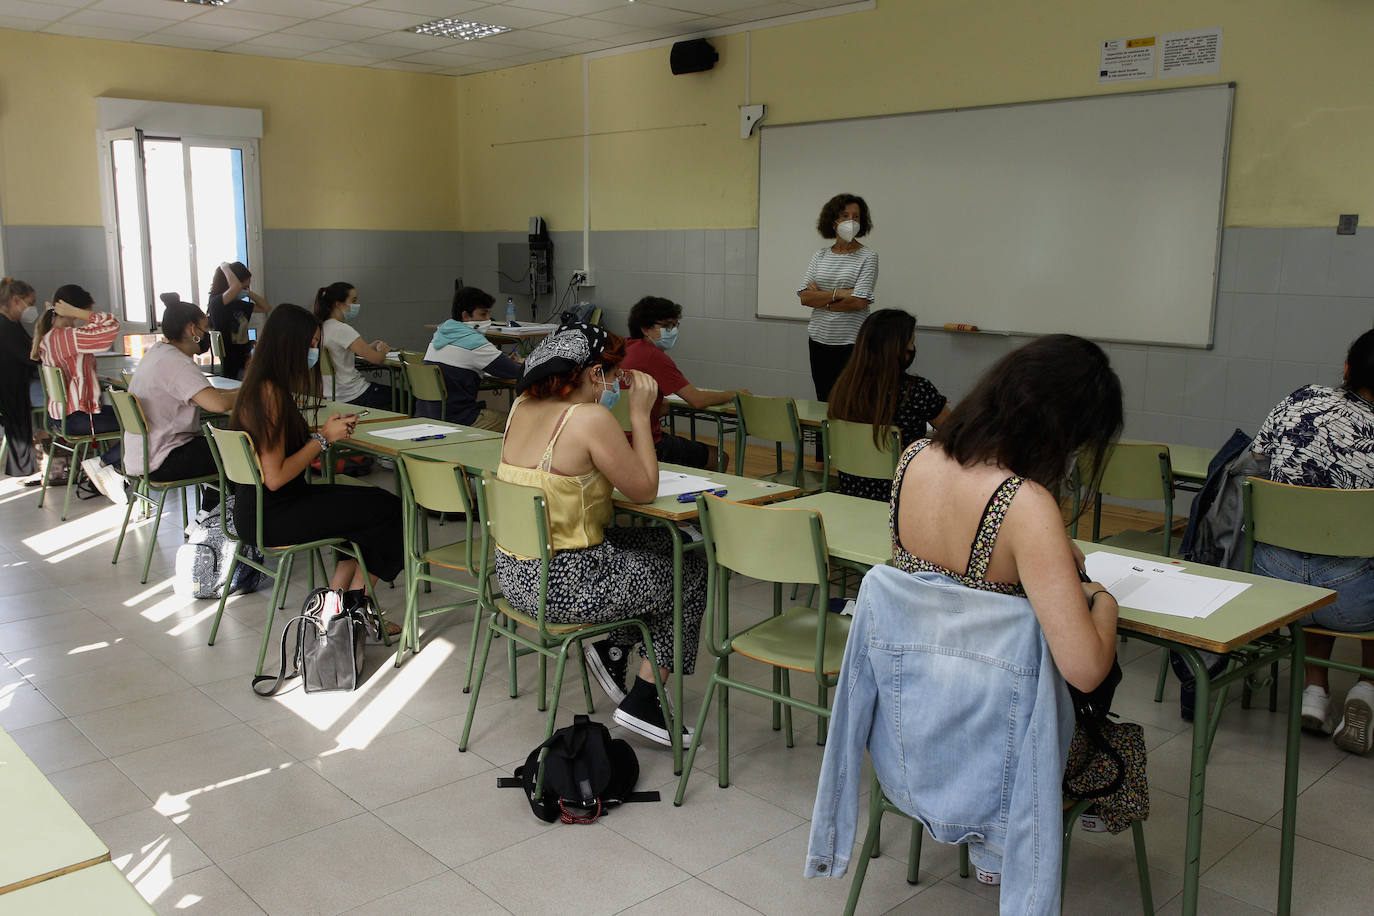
(510, 312)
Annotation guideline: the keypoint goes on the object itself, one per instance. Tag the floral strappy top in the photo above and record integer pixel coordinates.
(981, 552)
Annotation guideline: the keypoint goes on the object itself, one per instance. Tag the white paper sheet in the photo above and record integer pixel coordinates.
(524, 330)
(1161, 588)
(672, 483)
(413, 431)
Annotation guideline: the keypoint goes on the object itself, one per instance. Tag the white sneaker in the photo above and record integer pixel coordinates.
(106, 479)
(1354, 734)
(1316, 710)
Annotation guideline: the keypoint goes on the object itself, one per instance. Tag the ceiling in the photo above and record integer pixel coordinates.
(371, 33)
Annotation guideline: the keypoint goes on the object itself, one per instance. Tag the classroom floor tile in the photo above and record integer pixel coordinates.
(215, 801)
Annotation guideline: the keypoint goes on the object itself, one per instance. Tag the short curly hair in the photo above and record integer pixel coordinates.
(830, 214)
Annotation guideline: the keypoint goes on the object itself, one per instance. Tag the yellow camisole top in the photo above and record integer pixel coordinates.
(579, 508)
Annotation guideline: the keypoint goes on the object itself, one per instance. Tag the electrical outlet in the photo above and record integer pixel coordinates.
(1347, 223)
(583, 277)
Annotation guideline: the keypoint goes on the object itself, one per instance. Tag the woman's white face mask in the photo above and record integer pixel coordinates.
(846, 229)
(479, 325)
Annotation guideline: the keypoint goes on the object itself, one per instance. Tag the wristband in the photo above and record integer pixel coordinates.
(1093, 597)
(324, 443)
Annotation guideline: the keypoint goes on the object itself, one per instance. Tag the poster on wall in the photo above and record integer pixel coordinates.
(1195, 53)
(1123, 59)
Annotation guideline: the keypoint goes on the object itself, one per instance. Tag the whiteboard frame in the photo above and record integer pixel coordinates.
(1221, 203)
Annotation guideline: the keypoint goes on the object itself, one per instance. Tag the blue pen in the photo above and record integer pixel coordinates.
(427, 438)
(692, 497)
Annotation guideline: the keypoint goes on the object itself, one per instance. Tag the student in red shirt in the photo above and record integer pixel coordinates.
(653, 332)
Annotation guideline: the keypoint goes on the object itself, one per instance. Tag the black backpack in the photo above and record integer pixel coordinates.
(586, 772)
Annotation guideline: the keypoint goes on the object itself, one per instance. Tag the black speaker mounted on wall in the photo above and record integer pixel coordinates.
(692, 56)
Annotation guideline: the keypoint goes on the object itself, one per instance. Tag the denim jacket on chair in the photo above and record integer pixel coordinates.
(942, 683)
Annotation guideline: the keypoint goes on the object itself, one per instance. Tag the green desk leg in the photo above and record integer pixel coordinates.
(674, 721)
(1197, 781)
(720, 447)
(1290, 770)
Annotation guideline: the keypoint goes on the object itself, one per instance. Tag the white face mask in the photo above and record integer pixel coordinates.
(479, 325)
(847, 229)
(30, 315)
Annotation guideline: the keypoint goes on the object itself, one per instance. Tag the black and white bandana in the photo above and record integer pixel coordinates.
(571, 347)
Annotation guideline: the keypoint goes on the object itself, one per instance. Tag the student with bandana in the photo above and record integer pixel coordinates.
(563, 440)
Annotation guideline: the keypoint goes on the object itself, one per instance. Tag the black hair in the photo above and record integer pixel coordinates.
(266, 407)
(649, 311)
(1359, 362)
(327, 297)
(830, 214)
(179, 316)
(469, 299)
(869, 388)
(71, 294)
(1035, 408)
(219, 285)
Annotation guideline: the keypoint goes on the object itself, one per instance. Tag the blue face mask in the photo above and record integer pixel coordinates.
(667, 338)
(610, 396)
(353, 310)
(312, 357)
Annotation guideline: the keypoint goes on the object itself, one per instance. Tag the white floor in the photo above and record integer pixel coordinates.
(214, 801)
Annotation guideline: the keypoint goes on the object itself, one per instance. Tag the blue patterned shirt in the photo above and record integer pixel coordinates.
(1320, 437)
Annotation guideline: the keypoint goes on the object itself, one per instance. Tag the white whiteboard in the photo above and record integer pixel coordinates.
(1097, 216)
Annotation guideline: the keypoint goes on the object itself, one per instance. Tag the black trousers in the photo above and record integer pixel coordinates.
(298, 512)
(376, 395)
(190, 459)
(21, 460)
(827, 362)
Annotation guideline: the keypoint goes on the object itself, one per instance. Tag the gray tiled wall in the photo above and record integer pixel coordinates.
(1290, 303)
(404, 279)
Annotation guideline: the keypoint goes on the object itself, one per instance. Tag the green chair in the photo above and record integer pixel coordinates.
(430, 485)
(328, 375)
(775, 419)
(237, 461)
(879, 804)
(150, 493)
(776, 545)
(849, 448)
(621, 412)
(1312, 520)
(426, 383)
(517, 517)
(217, 352)
(74, 443)
(1135, 470)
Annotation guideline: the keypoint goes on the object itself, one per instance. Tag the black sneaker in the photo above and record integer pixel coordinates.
(640, 713)
(608, 665)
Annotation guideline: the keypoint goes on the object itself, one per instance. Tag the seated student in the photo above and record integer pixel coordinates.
(295, 511)
(1324, 437)
(68, 334)
(463, 354)
(336, 304)
(653, 332)
(563, 440)
(171, 390)
(17, 372)
(229, 314)
(874, 387)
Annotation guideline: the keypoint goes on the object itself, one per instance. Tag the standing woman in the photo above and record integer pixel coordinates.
(229, 315)
(295, 511)
(839, 287)
(335, 305)
(68, 335)
(876, 388)
(16, 372)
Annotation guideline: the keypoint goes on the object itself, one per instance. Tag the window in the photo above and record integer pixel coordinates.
(177, 202)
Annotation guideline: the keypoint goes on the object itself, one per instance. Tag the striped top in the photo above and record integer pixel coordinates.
(857, 270)
(70, 350)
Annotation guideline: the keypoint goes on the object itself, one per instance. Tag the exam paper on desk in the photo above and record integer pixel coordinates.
(413, 431)
(1161, 588)
(672, 483)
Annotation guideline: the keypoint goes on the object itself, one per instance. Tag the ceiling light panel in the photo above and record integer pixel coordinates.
(458, 28)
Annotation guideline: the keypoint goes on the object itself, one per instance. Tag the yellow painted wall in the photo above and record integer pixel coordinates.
(342, 147)
(1303, 126)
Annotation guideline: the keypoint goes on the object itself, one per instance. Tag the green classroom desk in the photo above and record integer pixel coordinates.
(1189, 462)
(316, 412)
(1267, 606)
(810, 416)
(43, 837)
(100, 889)
(364, 436)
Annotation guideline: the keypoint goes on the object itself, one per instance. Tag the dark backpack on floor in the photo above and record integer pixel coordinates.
(586, 772)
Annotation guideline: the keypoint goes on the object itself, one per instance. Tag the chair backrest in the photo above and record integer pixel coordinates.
(235, 455)
(518, 517)
(849, 448)
(621, 412)
(1135, 470)
(126, 377)
(594, 318)
(426, 382)
(774, 419)
(1309, 519)
(775, 544)
(410, 358)
(327, 370)
(217, 346)
(434, 484)
(132, 422)
(54, 386)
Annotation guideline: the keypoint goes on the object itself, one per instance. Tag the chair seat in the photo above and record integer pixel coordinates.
(789, 641)
(343, 480)
(450, 556)
(1143, 541)
(558, 629)
(175, 484)
(1340, 634)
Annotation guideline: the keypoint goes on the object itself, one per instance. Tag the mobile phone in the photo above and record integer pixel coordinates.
(361, 413)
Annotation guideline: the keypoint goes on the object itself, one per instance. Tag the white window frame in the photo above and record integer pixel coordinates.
(194, 125)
